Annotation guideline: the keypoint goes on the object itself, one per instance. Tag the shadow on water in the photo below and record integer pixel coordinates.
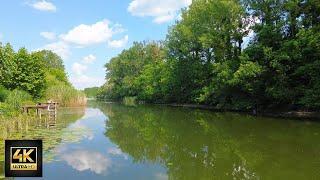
(197, 144)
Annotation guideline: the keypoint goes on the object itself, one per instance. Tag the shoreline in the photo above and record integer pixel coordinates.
(310, 115)
(302, 115)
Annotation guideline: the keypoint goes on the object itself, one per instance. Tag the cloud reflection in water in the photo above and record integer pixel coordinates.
(82, 160)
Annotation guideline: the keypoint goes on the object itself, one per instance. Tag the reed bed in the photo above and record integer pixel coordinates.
(66, 96)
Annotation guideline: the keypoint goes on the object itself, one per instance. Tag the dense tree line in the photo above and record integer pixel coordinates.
(232, 54)
(91, 92)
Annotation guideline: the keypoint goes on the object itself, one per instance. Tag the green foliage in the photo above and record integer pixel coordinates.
(130, 101)
(30, 74)
(136, 72)
(37, 74)
(55, 71)
(52, 60)
(17, 98)
(204, 58)
(7, 65)
(22, 70)
(3, 93)
(287, 47)
(91, 92)
(66, 96)
(6, 110)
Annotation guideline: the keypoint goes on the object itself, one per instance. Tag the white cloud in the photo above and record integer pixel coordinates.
(79, 126)
(85, 35)
(48, 35)
(82, 36)
(161, 176)
(61, 48)
(78, 68)
(163, 19)
(82, 160)
(84, 81)
(162, 11)
(1, 36)
(79, 78)
(118, 43)
(43, 5)
(89, 59)
(117, 152)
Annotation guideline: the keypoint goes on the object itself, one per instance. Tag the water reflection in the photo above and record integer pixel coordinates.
(195, 144)
(117, 152)
(87, 160)
(111, 141)
(83, 132)
(52, 131)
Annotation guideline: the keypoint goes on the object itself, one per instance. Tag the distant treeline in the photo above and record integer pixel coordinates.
(91, 92)
(27, 78)
(231, 54)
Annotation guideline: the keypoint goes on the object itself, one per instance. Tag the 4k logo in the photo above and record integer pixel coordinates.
(23, 158)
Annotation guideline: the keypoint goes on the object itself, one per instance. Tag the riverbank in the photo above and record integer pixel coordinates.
(310, 115)
(280, 114)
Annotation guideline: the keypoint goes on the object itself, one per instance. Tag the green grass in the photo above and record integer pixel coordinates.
(13, 101)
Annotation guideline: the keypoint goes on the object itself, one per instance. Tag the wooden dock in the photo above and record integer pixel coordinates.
(50, 107)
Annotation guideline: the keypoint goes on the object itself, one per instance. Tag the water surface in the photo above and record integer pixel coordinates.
(113, 141)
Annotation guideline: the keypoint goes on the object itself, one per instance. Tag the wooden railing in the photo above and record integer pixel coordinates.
(50, 107)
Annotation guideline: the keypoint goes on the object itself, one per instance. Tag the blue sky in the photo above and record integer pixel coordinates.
(86, 34)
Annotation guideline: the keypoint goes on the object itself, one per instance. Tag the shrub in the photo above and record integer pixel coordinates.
(6, 110)
(3, 93)
(17, 98)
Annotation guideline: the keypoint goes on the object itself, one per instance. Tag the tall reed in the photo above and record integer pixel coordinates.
(66, 96)
(13, 101)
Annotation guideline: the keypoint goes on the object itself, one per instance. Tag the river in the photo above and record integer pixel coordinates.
(113, 141)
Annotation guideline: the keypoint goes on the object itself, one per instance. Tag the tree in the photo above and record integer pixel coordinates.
(204, 58)
(30, 75)
(7, 65)
(209, 34)
(126, 71)
(285, 34)
(91, 92)
(55, 69)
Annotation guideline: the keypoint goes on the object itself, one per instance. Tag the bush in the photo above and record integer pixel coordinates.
(66, 96)
(3, 93)
(17, 98)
